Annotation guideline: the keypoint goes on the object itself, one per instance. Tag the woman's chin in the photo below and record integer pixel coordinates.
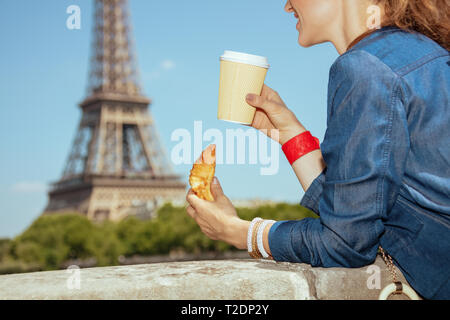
(305, 41)
(302, 39)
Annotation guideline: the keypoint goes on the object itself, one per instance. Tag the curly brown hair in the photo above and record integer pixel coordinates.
(429, 17)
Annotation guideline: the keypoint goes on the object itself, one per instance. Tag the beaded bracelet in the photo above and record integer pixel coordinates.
(255, 252)
(250, 234)
(259, 237)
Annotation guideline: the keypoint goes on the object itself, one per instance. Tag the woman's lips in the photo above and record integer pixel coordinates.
(298, 22)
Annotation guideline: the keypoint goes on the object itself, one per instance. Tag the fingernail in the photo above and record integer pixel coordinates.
(249, 97)
(215, 180)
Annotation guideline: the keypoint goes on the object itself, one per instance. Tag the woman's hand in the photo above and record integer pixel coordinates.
(218, 219)
(272, 113)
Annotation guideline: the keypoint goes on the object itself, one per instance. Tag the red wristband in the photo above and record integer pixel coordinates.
(300, 145)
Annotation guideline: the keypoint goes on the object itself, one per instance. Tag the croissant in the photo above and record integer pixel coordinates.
(202, 173)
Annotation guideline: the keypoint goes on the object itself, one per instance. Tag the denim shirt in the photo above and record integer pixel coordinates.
(387, 151)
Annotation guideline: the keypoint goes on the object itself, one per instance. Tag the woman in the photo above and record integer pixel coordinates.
(382, 175)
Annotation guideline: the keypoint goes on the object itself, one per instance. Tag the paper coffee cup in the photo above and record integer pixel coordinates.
(240, 74)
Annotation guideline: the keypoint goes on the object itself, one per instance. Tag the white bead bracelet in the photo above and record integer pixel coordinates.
(259, 237)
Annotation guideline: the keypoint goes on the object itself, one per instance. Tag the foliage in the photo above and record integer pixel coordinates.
(4, 248)
(54, 239)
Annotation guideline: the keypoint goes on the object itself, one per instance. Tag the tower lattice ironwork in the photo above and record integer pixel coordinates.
(116, 166)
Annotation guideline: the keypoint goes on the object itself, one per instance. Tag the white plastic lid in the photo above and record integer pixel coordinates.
(245, 58)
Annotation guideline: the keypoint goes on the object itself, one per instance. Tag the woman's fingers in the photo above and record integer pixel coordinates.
(211, 236)
(257, 101)
(216, 189)
(209, 232)
(203, 224)
(269, 93)
(192, 199)
(190, 192)
(196, 205)
(266, 90)
(191, 211)
(206, 229)
(264, 103)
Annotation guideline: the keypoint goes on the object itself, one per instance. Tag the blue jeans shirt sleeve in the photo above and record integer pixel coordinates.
(311, 197)
(365, 149)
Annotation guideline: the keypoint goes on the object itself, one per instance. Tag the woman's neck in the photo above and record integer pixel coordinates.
(355, 19)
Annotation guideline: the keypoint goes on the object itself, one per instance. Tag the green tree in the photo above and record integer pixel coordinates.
(52, 240)
(5, 245)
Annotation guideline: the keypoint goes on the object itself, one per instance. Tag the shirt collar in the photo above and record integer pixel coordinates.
(368, 33)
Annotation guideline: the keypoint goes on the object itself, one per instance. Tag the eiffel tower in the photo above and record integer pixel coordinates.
(116, 166)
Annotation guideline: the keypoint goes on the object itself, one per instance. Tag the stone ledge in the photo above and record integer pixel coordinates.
(216, 279)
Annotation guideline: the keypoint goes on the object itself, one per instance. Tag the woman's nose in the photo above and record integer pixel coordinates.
(288, 6)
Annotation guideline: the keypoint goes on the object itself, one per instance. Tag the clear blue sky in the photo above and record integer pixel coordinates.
(44, 76)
